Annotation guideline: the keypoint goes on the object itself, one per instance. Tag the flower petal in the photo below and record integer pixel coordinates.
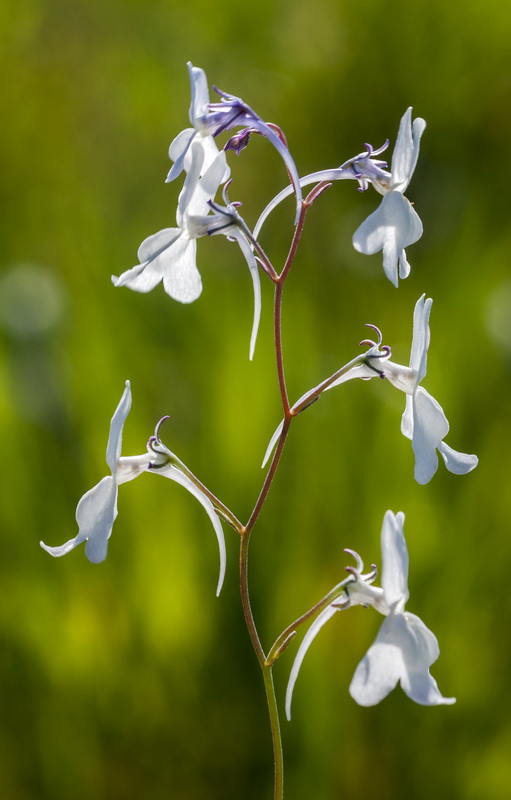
(179, 153)
(430, 426)
(281, 148)
(200, 93)
(172, 472)
(237, 234)
(380, 669)
(309, 637)
(420, 650)
(392, 227)
(394, 579)
(273, 441)
(421, 336)
(181, 278)
(458, 463)
(130, 467)
(145, 276)
(406, 150)
(113, 449)
(95, 515)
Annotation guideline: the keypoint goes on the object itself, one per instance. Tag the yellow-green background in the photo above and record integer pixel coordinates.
(130, 679)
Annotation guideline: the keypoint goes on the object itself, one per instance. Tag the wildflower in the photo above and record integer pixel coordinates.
(404, 649)
(211, 119)
(395, 224)
(424, 421)
(97, 510)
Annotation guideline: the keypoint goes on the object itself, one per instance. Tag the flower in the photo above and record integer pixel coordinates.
(395, 224)
(180, 146)
(97, 510)
(424, 421)
(211, 119)
(404, 648)
(170, 254)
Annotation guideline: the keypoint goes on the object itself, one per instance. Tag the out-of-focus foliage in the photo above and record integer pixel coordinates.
(131, 679)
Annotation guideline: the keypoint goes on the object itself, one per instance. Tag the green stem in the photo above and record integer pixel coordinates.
(278, 754)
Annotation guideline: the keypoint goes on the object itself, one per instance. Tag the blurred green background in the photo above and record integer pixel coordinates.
(131, 679)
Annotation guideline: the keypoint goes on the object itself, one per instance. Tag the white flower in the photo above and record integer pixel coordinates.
(424, 421)
(179, 150)
(170, 254)
(395, 224)
(97, 510)
(404, 649)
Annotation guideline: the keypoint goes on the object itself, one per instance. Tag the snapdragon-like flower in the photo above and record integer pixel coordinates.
(424, 421)
(179, 150)
(395, 224)
(404, 649)
(170, 254)
(97, 510)
(211, 119)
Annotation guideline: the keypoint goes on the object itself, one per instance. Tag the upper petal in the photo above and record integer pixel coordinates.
(406, 151)
(113, 450)
(394, 579)
(200, 93)
(421, 336)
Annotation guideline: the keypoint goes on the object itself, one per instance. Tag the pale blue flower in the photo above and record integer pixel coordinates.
(395, 224)
(97, 510)
(404, 648)
(424, 421)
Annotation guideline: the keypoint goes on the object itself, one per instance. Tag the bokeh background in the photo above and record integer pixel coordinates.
(131, 679)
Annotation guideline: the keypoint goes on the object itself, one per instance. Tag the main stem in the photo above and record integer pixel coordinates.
(245, 532)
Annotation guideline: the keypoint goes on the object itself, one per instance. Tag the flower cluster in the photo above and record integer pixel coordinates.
(405, 648)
